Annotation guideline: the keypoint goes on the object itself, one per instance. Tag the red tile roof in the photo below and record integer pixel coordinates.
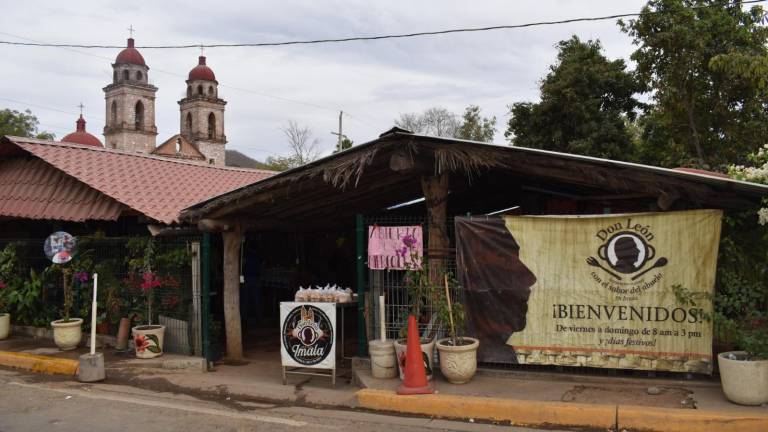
(154, 186)
(32, 189)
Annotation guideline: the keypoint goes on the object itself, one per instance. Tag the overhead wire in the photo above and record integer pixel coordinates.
(367, 38)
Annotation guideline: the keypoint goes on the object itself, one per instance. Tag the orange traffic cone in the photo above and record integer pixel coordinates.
(415, 380)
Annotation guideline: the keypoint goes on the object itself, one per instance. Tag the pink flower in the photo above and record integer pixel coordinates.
(2, 285)
(409, 241)
(141, 343)
(149, 281)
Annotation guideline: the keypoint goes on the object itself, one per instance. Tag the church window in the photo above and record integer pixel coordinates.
(189, 124)
(210, 90)
(113, 113)
(189, 91)
(199, 89)
(139, 76)
(126, 75)
(211, 126)
(114, 77)
(139, 117)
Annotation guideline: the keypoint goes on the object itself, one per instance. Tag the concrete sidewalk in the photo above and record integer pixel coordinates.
(552, 399)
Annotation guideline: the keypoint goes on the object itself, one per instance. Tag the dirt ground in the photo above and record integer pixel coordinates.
(667, 397)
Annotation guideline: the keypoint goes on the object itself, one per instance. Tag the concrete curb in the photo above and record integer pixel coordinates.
(562, 414)
(686, 420)
(39, 363)
(516, 412)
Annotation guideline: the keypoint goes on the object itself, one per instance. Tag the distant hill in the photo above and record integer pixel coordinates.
(234, 158)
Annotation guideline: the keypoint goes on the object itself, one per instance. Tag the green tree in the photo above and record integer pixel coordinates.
(709, 110)
(587, 102)
(22, 124)
(476, 128)
(346, 143)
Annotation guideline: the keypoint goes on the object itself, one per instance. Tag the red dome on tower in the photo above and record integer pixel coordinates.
(201, 71)
(130, 55)
(80, 136)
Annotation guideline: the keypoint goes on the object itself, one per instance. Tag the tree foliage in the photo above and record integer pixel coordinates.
(440, 122)
(704, 62)
(23, 124)
(586, 104)
(476, 128)
(435, 121)
(303, 148)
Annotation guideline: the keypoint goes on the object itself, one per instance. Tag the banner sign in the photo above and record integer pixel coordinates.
(308, 336)
(594, 291)
(395, 247)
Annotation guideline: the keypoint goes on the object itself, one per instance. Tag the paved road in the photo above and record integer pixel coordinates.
(34, 403)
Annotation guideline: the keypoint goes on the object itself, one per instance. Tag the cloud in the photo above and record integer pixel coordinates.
(373, 81)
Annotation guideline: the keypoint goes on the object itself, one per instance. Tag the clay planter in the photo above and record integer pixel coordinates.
(148, 340)
(5, 325)
(745, 382)
(458, 363)
(427, 349)
(67, 334)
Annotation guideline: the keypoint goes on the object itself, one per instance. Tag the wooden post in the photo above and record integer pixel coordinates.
(232, 242)
(435, 191)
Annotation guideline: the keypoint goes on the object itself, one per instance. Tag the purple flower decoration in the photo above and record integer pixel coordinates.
(409, 241)
(82, 276)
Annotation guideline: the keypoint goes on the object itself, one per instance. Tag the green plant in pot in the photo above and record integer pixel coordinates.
(421, 291)
(7, 281)
(739, 317)
(148, 338)
(67, 331)
(458, 353)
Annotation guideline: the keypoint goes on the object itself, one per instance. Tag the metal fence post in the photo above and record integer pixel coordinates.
(206, 296)
(197, 338)
(362, 344)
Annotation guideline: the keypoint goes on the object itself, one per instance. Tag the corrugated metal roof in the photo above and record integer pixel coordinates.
(154, 186)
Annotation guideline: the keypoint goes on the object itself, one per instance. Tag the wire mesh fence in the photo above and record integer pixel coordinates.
(148, 280)
(392, 284)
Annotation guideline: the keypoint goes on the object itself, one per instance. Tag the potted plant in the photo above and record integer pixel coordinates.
(7, 265)
(148, 339)
(5, 317)
(458, 354)
(421, 291)
(739, 316)
(67, 331)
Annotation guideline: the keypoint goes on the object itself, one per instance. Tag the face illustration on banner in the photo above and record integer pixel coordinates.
(496, 282)
(307, 335)
(626, 250)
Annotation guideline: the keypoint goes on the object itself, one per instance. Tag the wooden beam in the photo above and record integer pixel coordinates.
(232, 243)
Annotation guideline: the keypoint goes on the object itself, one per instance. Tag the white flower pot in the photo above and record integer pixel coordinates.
(745, 382)
(427, 349)
(5, 325)
(458, 363)
(148, 340)
(67, 334)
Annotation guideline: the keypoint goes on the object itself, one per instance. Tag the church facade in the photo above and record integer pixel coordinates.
(130, 113)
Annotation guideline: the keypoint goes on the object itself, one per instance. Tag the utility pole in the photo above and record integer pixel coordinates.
(339, 133)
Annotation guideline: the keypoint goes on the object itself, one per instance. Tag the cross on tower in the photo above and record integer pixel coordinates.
(81, 106)
(202, 50)
(130, 30)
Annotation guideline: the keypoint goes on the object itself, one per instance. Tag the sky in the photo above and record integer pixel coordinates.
(373, 82)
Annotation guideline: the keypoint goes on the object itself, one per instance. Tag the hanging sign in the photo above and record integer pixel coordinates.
(308, 334)
(395, 247)
(594, 291)
(59, 247)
